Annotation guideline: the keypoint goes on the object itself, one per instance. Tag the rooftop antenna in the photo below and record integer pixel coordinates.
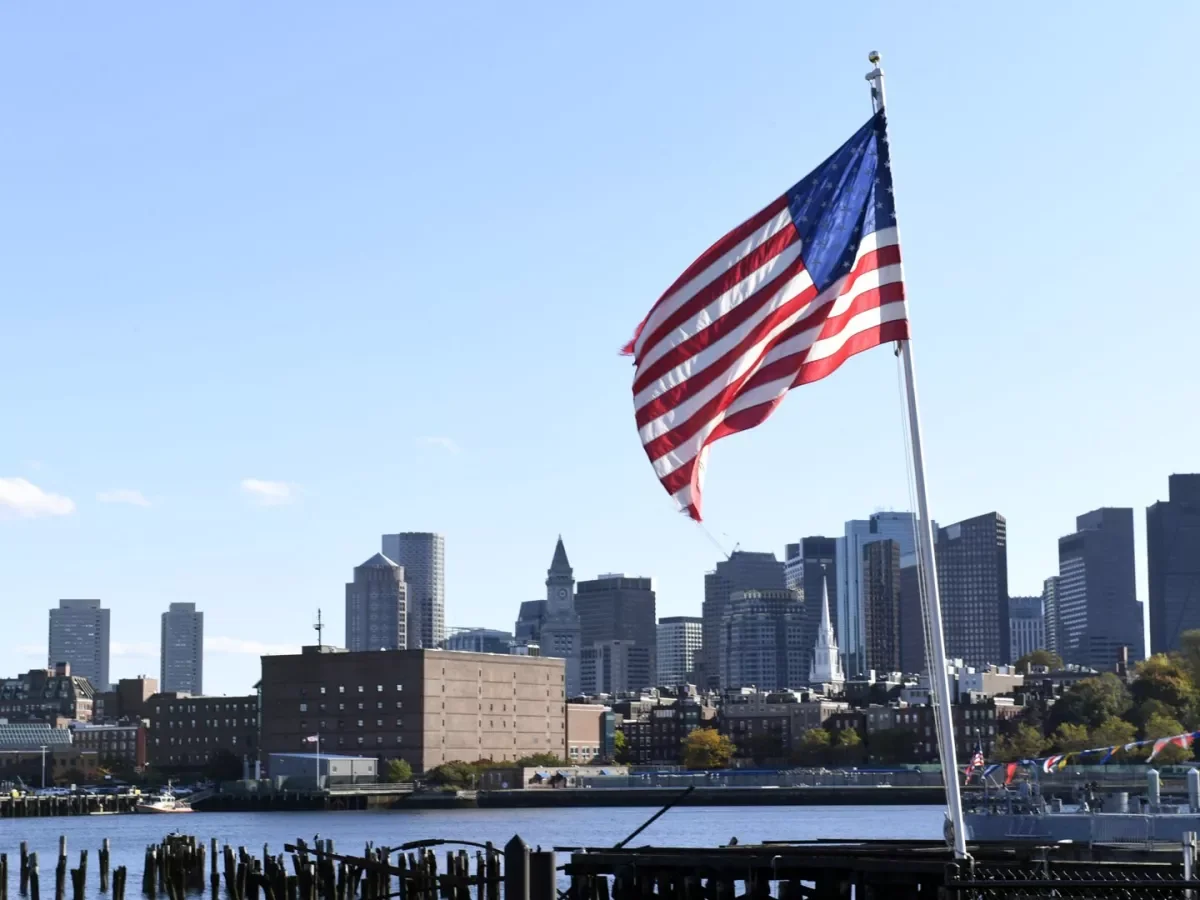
(319, 629)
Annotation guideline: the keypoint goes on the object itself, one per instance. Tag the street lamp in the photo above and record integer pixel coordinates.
(44, 748)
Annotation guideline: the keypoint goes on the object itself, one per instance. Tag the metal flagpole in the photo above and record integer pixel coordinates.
(938, 676)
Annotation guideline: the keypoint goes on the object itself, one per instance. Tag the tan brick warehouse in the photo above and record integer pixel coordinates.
(425, 706)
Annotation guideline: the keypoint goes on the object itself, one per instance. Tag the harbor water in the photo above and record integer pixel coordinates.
(683, 826)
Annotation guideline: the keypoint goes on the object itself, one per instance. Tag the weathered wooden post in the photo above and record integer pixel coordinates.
(3, 876)
(516, 869)
(543, 876)
(105, 856)
(34, 888)
(24, 873)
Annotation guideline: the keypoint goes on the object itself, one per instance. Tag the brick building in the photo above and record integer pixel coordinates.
(655, 735)
(424, 706)
(759, 723)
(187, 733)
(123, 745)
(47, 695)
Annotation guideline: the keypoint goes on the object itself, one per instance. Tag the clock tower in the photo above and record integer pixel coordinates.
(560, 582)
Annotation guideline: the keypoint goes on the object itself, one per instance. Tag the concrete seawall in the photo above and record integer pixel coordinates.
(714, 796)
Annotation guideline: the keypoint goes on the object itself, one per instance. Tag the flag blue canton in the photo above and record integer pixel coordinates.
(847, 196)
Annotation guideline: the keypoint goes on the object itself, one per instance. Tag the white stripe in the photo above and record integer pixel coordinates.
(687, 291)
(791, 289)
(674, 459)
(757, 280)
(867, 281)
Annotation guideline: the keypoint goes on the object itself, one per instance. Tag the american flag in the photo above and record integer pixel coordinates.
(977, 760)
(783, 299)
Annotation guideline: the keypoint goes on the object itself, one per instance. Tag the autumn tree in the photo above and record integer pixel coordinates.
(1025, 743)
(1163, 688)
(1160, 726)
(1090, 701)
(1068, 738)
(399, 770)
(815, 747)
(706, 748)
(847, 746)
(1112, 732)
(620, 748)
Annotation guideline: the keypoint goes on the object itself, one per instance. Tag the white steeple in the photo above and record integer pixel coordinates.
(826, 667)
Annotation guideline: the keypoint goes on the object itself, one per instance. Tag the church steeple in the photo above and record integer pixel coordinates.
(826, 666)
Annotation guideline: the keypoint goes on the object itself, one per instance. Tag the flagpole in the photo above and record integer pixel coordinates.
(938, 677)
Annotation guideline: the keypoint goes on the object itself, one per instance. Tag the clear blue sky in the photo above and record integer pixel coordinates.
(385, 255)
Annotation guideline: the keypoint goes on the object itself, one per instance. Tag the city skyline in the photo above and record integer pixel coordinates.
(191, 290)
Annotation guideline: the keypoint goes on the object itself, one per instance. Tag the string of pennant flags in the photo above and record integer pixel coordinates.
(1057, 761)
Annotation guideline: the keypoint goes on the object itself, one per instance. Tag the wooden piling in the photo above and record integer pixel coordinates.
(3, 876)
(34, 888)
(105, 853)
(24, 873)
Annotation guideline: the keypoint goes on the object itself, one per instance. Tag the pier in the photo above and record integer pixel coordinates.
(68, 805)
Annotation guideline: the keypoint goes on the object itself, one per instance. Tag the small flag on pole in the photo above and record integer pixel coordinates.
(977, 762)
(782, 300)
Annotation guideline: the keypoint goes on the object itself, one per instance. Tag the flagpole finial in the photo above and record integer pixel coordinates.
(874, 57)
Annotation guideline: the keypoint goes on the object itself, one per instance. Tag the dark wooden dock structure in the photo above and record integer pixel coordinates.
(65, 805)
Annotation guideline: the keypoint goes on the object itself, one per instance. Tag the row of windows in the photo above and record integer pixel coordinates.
(208, 723)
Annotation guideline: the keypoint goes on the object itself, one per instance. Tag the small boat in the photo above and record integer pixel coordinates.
(164, 802)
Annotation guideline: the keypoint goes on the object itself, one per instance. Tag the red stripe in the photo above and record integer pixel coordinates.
(759, 256)
(727, 323)
(755, 415)
(872, 299)
(673, 397)
(713, 253)
(867, 300)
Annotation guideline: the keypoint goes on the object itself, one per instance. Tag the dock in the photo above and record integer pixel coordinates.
(67, 805)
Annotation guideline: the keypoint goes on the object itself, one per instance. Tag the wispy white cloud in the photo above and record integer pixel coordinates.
(269, 493)
(123, 495)
(241, 647)
(449, 444)
(25, 499)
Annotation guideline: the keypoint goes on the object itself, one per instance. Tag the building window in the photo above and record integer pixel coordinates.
(379, 688)
(399, 687)
(360, 723)
(322, 689)
(379, 723)
(303, 708)
(360, 689)
(341, 689)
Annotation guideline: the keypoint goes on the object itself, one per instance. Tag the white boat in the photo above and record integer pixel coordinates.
(164, 802)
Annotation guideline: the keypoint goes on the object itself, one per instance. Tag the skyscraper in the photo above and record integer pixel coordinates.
(742, 571)
(618, 608)
(1173, 558)
(881, 605)
(849, 618)
(972, 571)
(377, 606)
(1050, 613)
(679, 639)
(760, 641)
(1026, 626)
(79, 636)
(612, 667)
(560, 628)
(181, 653)
(1098, 612)
(422, 555)
(912, 618)
(808, 566)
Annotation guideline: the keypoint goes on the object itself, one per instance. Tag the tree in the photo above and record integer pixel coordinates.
(455, 774)
(1050, 660)
(705, 748)
(1025, 743)
(1112, 732)
(815, 747)
(1189, 654)
(540, 760)
(399, 770)
(1165, 680)
(1090, 701)
(1160, 726)
(620, 748)
(1068, 738)
(848, 746)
